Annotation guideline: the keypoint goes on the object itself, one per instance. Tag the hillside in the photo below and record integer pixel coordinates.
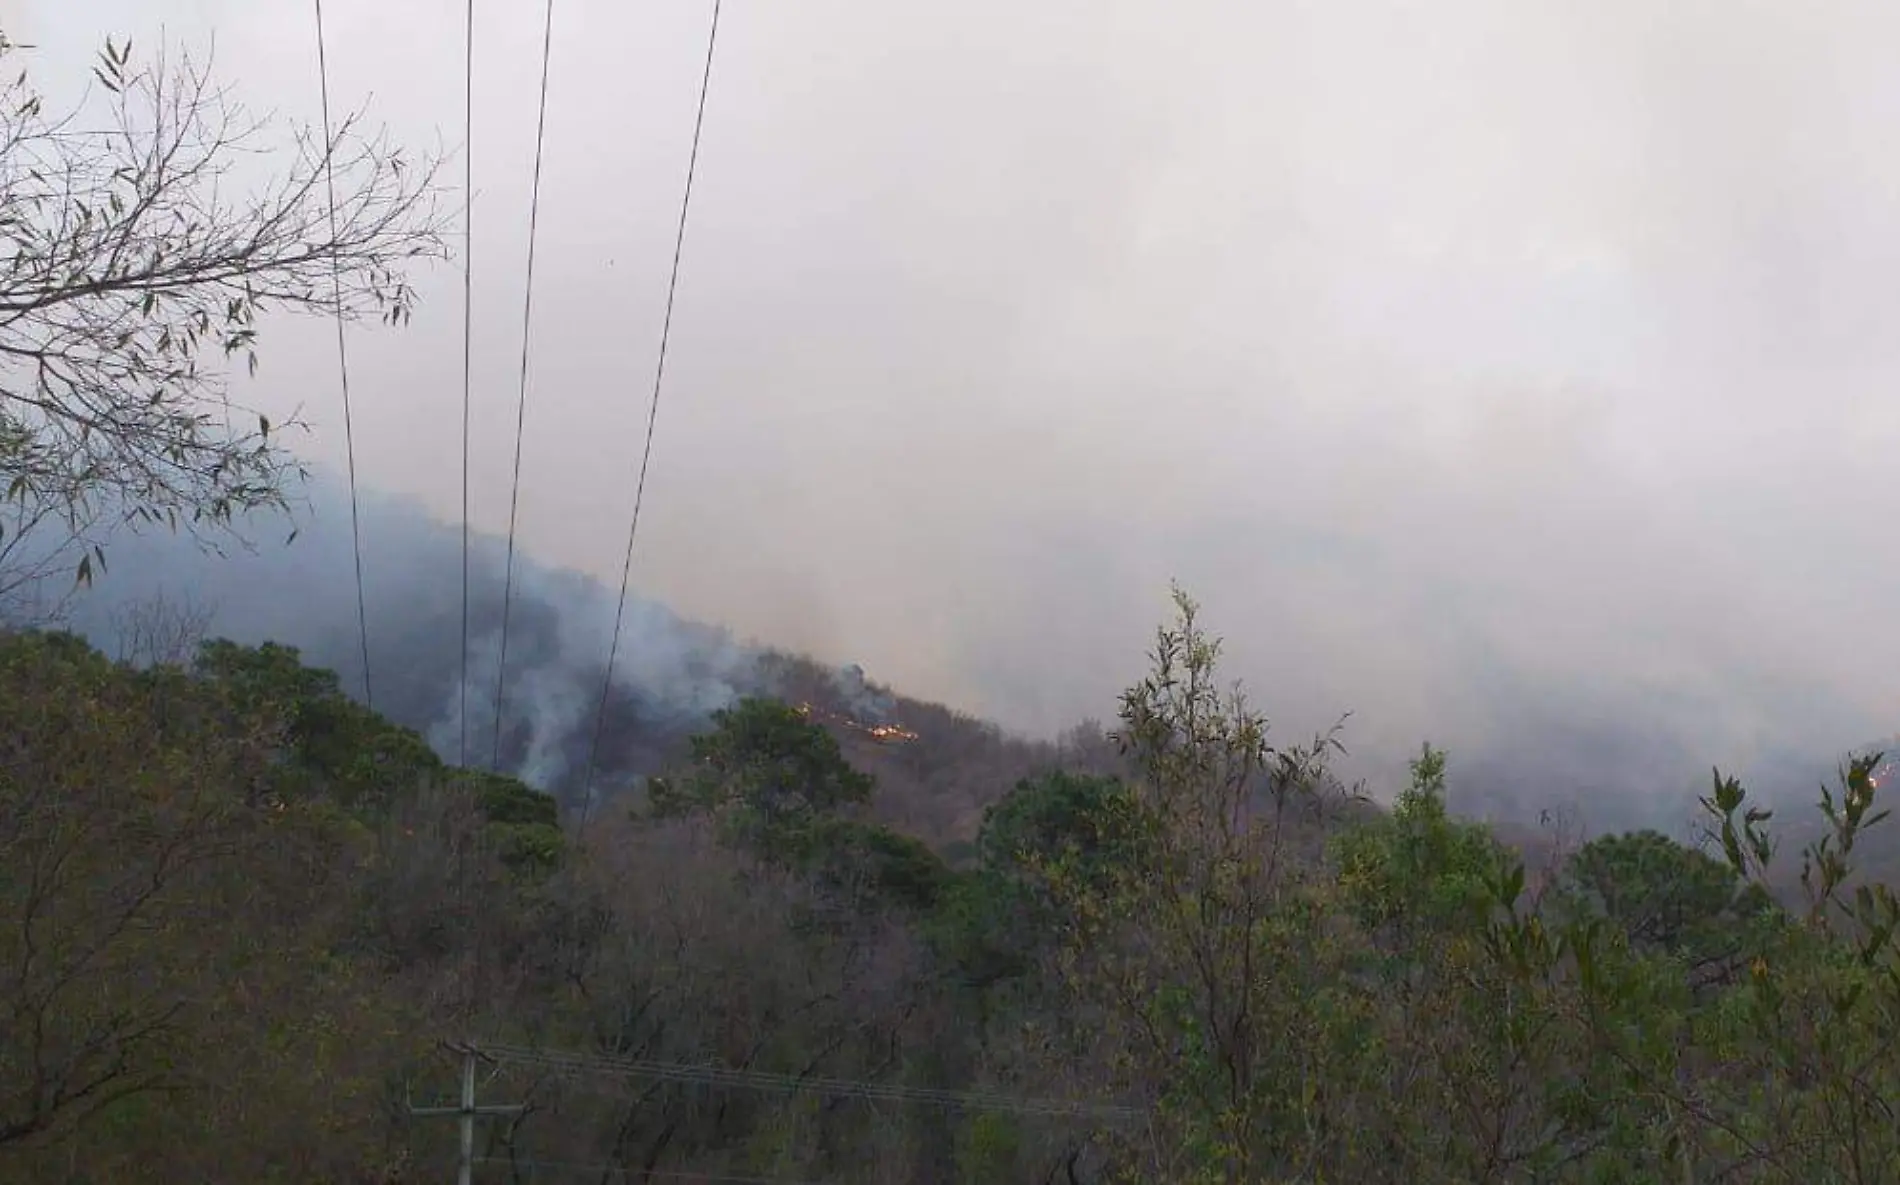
(308, 849)
(839, 936)
(1542, 790)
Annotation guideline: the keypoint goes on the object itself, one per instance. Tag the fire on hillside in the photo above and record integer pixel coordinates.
(883, 733)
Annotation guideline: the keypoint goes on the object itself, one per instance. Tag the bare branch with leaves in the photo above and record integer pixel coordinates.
(133, 270)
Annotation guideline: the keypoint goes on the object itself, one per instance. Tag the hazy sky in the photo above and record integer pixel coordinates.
(1443, 349)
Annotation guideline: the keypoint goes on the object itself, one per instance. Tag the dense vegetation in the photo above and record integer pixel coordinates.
(246, 924)
(240, 915)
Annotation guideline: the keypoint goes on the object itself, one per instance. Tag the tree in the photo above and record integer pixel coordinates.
(159, 631)
(1807, 1082)
(1094, 817)
(87, 869)
(129, 272)
(1418, 869)
(331, 744)
(1207, 953)
(1003, 915)
(1665, 898)
(1468, 1004)
(145, 903)
(768, 774)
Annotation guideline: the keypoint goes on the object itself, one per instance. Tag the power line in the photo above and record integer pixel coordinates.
(342, 355)
(705, 1075)
(653, 413)
(609, 1171)
(468, 326)
(521, 406)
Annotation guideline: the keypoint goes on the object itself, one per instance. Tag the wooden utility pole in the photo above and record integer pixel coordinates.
(467, 1112)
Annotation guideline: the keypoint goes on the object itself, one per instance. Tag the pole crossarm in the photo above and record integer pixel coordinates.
(469, 1111)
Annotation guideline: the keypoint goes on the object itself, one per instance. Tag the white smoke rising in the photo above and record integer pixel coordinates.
(871, 705)
(1550, 743)
(560, 632)
(669, 674)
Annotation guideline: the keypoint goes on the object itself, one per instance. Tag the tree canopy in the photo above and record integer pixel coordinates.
(221, 880)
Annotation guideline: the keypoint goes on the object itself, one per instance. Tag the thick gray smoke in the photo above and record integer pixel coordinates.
(864, 702)
(1512, 375)
(1618, 762)
(669, 674)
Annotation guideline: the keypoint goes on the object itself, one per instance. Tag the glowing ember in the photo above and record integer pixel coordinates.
(889, 733)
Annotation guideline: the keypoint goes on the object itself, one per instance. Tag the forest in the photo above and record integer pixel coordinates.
(251, 928)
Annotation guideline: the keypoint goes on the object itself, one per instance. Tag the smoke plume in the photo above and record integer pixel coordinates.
(669, 673)
(1609, 761)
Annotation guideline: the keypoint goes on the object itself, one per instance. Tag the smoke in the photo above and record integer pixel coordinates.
(669, 674)
(864, 702)
(1508, 374)
(1612, 755)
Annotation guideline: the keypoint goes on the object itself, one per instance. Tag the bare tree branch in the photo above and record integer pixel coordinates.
(130, 276)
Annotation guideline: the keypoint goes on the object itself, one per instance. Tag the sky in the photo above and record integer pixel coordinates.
(1467, 360)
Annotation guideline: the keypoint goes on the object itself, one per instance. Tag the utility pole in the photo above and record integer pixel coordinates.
(467, 1112)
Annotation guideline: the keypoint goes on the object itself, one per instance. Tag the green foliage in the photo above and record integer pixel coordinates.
(1665, 898)
(236, 906)
(1400, 1002)
(132, 277)
(333, 746)
(989, 1147)
(507, 800)
(1095, 821)
(166, 933)
(849, 856)
(1417, 867)
(766, 772)
(776, 784)
(1051, 835)
(1208, 948)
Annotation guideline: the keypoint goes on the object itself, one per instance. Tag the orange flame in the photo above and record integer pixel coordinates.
(893, 733)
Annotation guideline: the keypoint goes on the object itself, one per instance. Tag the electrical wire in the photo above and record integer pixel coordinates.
(521, 405)
(595, 1064)
(343, 356)
(611, 1171)
(468, 329)
(653, 412)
